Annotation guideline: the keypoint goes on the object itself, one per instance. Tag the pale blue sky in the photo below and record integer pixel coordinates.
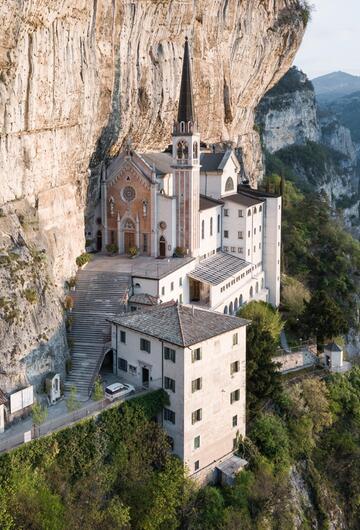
(332, 39)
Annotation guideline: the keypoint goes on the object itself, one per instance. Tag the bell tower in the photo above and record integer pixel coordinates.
(186, 164)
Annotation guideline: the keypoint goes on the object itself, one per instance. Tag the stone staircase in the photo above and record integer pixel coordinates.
(99, 295)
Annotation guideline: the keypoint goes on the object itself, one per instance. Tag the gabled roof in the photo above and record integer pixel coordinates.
(134, 160)
(244, 200)
(218, 268)
(209, 202)
(333, 347)
(144, 299)
(211, 161)
(179, 324)
(161, 161)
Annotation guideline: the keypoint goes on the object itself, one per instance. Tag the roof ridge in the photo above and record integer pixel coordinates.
(180, 323)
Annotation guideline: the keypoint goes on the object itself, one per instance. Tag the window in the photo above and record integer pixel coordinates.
(235, 444)
(254, 248)
(248, 252)
(226, 249)
(240, 213)
(226, 212)
(254, 231)
(233, 249)
(162, 291)
(180, 298)
(248, 233)
(234, 421)
(240, 235)
(172, 286)
(196, 355)
(123, 337)
(226, 233)
(196, 442)
(196, 416)
(257, 287)
(145, 345)
(240, 250)
(203, 229)
(171, 442)
(180, 281)
(145, 242)
(197, 465)
(132, 369)
(260, 228)
(229, 185)
(260, 208)
(249, 213)
(211, 226)
(169, 354)
(234, 367)
(196, 384)
(169, 384)
(122, 364)
(112, 237)
(169, 415)
(234, 396)
(251, 293)
(218, 224)
(195, 150)
(235, 339)
(259, 246)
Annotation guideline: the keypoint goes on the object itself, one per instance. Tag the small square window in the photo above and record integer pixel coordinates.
(226, 212)
(234, 421)
(226, 249)
(240, 213)
(123, 336)
(169, 354)
(234, 396)
(196, 355)
(122, 364)
(240, 250)
(240, 235)
(196, 442)
(233, 249)
(196, 416)
(145, 345)
(169, 384)
(235, 339)
(234, 367)
(226, 234)
(197, 465)
(169, 415)
(196, 384)
(132, 369)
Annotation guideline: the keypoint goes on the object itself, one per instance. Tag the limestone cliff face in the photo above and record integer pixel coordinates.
(79, 77)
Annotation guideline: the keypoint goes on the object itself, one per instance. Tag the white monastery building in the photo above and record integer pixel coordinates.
(218, 243)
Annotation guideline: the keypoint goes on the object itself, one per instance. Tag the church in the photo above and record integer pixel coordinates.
(193, 201)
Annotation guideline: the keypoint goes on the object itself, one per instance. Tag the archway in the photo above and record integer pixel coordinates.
(225, 310)
(236, 305)
(99, 240)
(231, 308)
(162, 247)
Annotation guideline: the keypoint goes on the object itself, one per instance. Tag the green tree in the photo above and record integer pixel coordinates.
(271, 437)
(323, 318)
(263, 380)
(98, 391)
(39, 414)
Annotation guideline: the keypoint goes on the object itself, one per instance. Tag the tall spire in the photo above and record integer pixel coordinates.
(186, 107)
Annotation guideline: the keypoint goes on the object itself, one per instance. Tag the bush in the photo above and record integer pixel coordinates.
(112, 248)
(71, 282)
(180, 252)
(98, 391)
(133, 251)
(83, 259)
(69, 302)
(31, 295)
(270, 435)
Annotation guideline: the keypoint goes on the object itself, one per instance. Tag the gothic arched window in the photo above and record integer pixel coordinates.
(179, 150)
(195, 150)
(182, 150)
(229, 185)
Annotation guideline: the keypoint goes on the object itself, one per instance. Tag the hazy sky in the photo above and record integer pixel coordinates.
(332, 39)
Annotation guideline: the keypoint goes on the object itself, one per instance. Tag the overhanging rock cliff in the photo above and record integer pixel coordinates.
(79, 77)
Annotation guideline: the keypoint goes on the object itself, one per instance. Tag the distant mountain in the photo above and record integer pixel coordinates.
(335, 85)
(347, 110)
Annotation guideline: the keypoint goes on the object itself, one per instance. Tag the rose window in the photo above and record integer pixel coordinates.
(128, 193)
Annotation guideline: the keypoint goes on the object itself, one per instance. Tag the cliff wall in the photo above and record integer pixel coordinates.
(79, 77)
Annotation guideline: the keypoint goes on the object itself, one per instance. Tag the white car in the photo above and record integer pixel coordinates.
(117, 390)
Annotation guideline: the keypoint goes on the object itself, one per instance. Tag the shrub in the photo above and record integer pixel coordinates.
(271, 437)
(180, 252)
(98, 391)
(112, 248)
(39, 414)
(30, 295)
(69, 302)
(133, 251)
(71, 282)
(84, 258)
(72, 403)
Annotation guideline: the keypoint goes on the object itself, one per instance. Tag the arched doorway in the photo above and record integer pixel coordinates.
(99, 240)
(129, 235)
(162, 247)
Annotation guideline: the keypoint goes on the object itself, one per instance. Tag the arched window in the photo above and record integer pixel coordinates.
(203, 229)
(260, 208)
(195, 150)
(231, 308)
(179, 150)
(229, 185)
(236, 305)
(251, 292)
(211, 226)
(182, 150)
(241, 300)
(225, 310)
(255, 210)
(249, 212)
(185, 150)
(257, 287)
(262, 283)
(218, 224)
(182, 126)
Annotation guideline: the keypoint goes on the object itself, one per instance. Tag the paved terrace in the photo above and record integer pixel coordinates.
(141, 266)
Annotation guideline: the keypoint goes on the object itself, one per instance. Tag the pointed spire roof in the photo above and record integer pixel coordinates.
(186, 107)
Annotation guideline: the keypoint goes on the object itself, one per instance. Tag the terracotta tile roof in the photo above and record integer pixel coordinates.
(179, 324)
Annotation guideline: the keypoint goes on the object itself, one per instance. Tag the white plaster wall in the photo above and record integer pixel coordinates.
(230, 169)
(272, 248)
(174, 294)
(166, 206)
(215, 428)
(210, 243)
(210, 184)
